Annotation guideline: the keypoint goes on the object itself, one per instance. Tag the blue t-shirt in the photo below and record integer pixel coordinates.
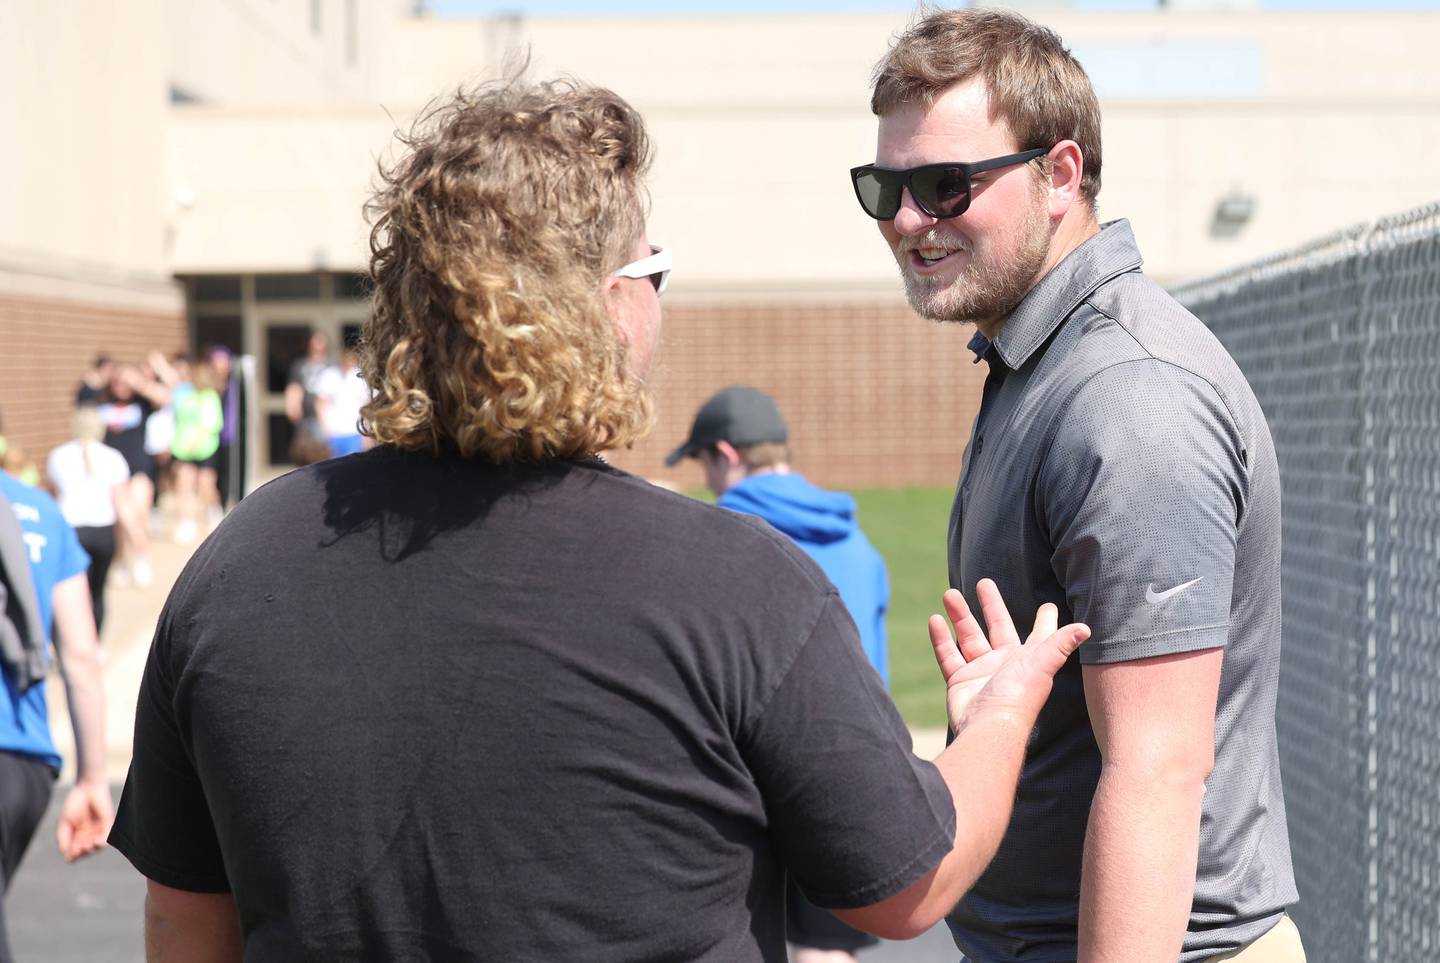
(55, 555)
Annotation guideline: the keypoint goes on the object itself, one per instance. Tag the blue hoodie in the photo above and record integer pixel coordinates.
(823, 524)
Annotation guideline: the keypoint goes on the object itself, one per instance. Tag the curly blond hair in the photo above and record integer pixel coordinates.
(491, 236)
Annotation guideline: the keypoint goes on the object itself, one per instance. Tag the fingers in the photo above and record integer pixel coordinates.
(1047, 620)
(1050, 653)
(968, 634)
(79, 838)
(997, 617)
(947, 654)
(65, 837)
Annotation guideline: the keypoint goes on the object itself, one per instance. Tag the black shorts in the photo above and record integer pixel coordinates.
(25, 784)
(213, 462)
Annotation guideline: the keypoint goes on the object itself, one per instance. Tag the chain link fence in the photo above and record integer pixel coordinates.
(1341, 341)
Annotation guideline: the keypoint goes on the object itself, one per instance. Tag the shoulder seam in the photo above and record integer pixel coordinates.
(1151, 356)
(790, 661)
(1064, 409)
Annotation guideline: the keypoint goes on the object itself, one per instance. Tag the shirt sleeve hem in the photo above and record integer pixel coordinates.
(1164, 643)
(164, 875)
(882, 889)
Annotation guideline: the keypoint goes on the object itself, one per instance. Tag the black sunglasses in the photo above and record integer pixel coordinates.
(940, 190)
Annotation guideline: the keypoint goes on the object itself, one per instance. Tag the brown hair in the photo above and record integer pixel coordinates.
(203, 375)
(1034, 83)
(766, 454)
(488, 331)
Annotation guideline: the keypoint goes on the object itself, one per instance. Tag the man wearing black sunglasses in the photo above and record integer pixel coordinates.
(1120, 467)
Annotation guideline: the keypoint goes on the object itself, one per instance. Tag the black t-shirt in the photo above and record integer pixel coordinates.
(125, 430)
(406, 707)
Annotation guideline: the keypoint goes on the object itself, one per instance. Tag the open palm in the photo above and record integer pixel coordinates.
(998, 673)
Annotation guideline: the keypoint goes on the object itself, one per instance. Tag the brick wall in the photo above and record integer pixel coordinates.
(873, 394)
(46, 343)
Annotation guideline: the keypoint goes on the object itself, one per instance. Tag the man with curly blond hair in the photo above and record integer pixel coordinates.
(476, 694)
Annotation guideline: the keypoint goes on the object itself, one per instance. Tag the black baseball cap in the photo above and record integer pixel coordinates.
(739, 415)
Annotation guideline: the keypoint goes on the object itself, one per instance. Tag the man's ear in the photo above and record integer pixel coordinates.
(728, 452)
(1067, 165)
(610, 293)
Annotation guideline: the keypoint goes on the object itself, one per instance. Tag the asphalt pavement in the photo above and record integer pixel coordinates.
(89, 912)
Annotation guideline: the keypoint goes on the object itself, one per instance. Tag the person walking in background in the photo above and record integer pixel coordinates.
(1121, 467)
(36, 544)
(91, 390)
(89, 479)
(340, 394)
(199, 417)
(634, 779)
(174, 374)
(227, 381)
(14, 460)
(301, 389)
(740, 439)
(130, 399)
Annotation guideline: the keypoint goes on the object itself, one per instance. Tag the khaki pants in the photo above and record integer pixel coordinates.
(1280, 944)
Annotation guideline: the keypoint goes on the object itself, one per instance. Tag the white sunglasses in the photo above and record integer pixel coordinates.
(656, 268)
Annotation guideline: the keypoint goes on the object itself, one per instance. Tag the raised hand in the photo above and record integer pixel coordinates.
(998, 673)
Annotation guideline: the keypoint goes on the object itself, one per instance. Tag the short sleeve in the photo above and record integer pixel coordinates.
(855, 816)
(1143, 491)
(163, 824)
(328, 384)
(119, 470)
(55, 466)
(72, 559)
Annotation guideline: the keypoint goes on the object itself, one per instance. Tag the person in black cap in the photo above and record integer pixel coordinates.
(740, 439)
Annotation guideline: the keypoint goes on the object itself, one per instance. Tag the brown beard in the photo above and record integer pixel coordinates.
(986, 293)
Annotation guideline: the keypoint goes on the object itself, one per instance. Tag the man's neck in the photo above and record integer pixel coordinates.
(780, 468)
(743, 474)
(1074, 229)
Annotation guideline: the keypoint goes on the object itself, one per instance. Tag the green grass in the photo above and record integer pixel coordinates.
(907, 526)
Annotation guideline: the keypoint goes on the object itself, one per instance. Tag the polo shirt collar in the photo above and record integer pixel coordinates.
(1108, 254)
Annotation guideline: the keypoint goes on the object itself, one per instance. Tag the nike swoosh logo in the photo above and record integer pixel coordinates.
(1155, 598)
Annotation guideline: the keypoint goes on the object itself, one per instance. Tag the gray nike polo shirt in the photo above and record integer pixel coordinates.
(1121, 468)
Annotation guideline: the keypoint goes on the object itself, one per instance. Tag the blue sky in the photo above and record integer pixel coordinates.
(571, 7)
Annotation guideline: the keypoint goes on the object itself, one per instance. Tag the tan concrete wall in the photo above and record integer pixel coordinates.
(83, 111)
(85, 106)
(252, 52)
(273, 190)
(757, 118)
